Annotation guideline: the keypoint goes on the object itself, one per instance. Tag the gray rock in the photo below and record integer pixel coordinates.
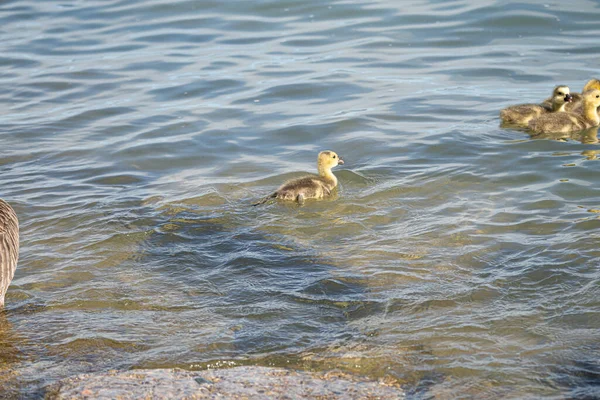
(234, 383)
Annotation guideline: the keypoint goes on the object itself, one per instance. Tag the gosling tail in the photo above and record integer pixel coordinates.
(264, 200)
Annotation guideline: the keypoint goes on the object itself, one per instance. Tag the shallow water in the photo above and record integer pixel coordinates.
(458, 257)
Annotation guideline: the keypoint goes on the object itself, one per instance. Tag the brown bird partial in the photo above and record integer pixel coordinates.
(9, 246)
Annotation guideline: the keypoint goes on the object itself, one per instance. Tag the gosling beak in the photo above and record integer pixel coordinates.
(340, 161)
(568, 98)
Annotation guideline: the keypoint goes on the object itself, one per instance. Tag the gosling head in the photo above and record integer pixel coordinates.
(591, 85)
(560, 96)
(328, 159)
(592, 97)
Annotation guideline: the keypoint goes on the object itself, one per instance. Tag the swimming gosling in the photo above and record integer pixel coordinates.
(568, 122)
(9, 246)
(310, 187)
(521, 114)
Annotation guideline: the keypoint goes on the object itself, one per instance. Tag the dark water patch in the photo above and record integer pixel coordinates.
(300, 91)
(53, 86)
(176, 38)
(539, 22)
(84, 74)
(579, 379)
(91, 116)
(495, 73)
(90, 348)
(54, 49)
(206, 89)
(117, 180)
(247, 41)
(9, 62)
(219, 65)
(163, 66)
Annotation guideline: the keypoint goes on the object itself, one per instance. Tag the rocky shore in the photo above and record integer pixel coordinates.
(235, 383)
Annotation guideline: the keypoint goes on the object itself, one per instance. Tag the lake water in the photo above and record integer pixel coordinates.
(459, 258)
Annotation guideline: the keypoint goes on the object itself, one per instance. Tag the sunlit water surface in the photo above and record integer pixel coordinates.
(458, 258)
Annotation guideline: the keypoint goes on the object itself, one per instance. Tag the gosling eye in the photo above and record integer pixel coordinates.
(560, 93)
(334, 156)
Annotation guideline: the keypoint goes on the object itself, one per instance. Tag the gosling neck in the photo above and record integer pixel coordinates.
(325, 172)
(591, 113)
(558, 106)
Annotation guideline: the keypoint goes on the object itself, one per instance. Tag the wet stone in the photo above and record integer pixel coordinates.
(233, 383)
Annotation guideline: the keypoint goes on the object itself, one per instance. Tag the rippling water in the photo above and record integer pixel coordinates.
(459, 258)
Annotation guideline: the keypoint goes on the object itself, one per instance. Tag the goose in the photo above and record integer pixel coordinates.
(312, 186)
(521, 114)
(9, 246)
(568, 122)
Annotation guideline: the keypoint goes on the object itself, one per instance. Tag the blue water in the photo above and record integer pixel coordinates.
(458, 258)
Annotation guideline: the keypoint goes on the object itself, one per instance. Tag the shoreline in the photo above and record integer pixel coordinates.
(245, 382)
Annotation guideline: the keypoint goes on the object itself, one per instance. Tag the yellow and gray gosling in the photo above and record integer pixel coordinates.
(521, 114)
(9, 247)
(577, 104)
(568, 122)
(310, 187)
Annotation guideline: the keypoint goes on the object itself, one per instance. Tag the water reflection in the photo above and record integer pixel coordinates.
(588, 136)
(10, 357)
(9, 353)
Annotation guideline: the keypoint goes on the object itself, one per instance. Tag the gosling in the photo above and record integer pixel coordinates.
(523, 113)
(569, 122)
(9, 246)
(312, 186)
(577, 104)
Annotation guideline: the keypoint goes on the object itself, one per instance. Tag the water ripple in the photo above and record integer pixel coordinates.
(457, 257)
